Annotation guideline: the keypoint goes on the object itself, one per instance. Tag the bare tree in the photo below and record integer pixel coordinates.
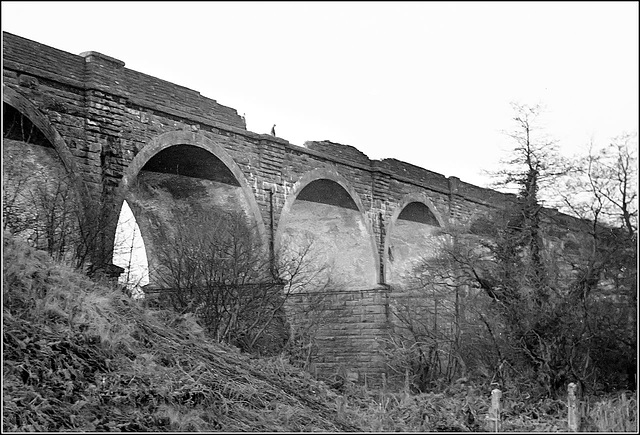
(213, 265)
(310, 298)
(602, 190)
(541, 306)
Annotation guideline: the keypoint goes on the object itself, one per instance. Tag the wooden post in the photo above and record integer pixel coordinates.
(340, 402)
(406, 381)
(494, 411)
(384, 383)
(574, 416)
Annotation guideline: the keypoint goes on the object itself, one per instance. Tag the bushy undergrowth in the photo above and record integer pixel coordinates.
(81, 356)
(614, 413)
(463, 407)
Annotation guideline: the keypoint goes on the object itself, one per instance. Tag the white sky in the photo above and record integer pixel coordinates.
(427, 83)
(129, 251)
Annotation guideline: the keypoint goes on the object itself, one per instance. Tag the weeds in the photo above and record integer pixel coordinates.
(614, 414)
(83, 357)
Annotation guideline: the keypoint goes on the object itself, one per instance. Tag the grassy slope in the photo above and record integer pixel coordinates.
(81, 356)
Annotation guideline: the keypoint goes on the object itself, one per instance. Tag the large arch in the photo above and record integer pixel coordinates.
(432, 219)
(168, 145)
(40, 178)
(22, 104)
(347, 220)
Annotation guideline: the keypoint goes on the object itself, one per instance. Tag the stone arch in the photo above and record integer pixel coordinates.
(414, 197)
(180, 138)
(41, 179)
(22, 104)
(332, 175)
(172, 138)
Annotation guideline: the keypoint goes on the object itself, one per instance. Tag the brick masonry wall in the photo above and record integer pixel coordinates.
(107, 114)
(350, 345)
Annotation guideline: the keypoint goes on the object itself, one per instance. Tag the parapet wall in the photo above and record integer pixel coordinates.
(93, 70)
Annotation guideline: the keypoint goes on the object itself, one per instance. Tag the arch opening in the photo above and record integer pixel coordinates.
(41, 205)
(325, 223)
(185, 196)
(412, 240)
(203, 241)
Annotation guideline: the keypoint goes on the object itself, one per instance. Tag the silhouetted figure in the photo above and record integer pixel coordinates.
(273, 130)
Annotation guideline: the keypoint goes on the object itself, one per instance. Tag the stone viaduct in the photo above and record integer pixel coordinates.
(114, 130)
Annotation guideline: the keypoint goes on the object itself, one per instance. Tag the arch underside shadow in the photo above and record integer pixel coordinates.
(323, 217)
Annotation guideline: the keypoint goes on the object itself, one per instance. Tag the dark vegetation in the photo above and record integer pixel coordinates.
(79, 355)
(516, 300)
(214, 267)
(82, 356)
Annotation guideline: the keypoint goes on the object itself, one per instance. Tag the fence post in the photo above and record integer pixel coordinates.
(407, 387)
(340, 403)
(574, 417)
(494, 411)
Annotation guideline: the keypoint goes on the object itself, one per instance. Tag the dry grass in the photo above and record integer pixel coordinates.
(79, 356)
(83, 357)
(618, 413)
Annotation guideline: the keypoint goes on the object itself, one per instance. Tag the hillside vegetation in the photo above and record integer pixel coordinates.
(82, 356)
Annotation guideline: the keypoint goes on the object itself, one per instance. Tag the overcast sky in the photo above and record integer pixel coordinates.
(427, 83)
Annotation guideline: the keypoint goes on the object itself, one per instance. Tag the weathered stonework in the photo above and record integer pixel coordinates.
(107, 122)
